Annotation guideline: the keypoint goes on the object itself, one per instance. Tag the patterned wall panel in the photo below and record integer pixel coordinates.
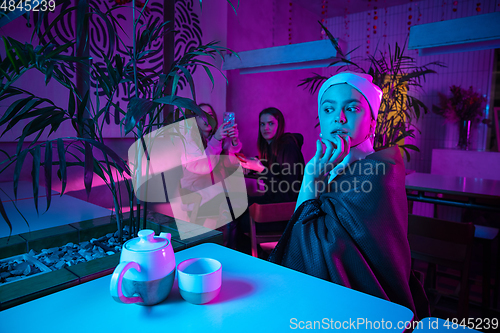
(187, 37)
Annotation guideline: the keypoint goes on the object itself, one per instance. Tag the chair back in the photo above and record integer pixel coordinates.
(272, 212)
(440, 242)
(266, 213)
(446, 243)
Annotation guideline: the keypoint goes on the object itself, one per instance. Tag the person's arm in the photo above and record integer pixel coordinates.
(203, 162)
(234, 145)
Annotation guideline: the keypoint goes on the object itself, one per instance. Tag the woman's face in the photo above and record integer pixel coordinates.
(345, 111)
(268, 126)
(203, 125)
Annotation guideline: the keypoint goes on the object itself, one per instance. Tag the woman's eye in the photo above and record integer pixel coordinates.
(352, 108)
(328, 110)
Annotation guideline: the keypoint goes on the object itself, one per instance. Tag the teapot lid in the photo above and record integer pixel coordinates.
(146, 242)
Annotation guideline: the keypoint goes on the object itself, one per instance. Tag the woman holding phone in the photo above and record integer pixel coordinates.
(201, 161)
(351, 219)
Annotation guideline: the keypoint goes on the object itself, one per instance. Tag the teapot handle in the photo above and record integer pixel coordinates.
(115, 286)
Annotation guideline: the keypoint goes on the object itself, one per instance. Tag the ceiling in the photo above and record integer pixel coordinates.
(337, 7)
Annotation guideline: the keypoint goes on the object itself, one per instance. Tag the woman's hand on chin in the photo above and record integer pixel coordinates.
(324, 162)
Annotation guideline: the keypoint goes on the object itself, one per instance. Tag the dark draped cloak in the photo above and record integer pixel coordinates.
(355, 235)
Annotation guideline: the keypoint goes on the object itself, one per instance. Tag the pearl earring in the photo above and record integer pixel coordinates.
(320, 135)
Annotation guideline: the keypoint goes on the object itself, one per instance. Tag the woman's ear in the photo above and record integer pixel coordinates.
(373, 126)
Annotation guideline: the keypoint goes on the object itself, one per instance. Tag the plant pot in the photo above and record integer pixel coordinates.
(464, 128)
(35, 268)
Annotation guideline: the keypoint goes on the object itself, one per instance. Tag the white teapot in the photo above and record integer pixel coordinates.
(146, 271)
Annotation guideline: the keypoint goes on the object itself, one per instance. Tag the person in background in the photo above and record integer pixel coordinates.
(199, 162)
(283, 163)
(281, 155)
(351, 218)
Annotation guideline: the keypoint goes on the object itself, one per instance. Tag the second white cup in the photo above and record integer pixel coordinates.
(199, 279)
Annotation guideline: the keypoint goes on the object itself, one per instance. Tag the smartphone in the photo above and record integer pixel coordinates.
(241, 157)
(229, 117)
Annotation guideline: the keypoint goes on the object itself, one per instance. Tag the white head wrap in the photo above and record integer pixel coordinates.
(360, 82)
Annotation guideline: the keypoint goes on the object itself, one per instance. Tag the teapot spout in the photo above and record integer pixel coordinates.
(166, 235)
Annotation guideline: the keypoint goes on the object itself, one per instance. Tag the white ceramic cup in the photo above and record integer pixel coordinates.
(199, 279)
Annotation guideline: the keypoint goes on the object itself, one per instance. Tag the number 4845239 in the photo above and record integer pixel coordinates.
(28, 5)
(474, 323)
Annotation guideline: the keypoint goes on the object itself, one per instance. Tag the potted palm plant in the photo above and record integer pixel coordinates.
(149, 92)
(396, 74)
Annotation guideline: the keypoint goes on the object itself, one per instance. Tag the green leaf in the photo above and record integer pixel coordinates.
(189, 78)
(104, 81)
(406, 153)
(175, 83)
(82, 22)
(10, 56)
(71, 104)
(13, 109)
(62, 163)
(416, 74)
(19, 51)
(35, 174)
(119, 65)
(24, 113)
(47, 167)
(332, 40)
(207, 70)
(136, 110)
(88, 168)
(49, 72)
(81, 110)
(18, 168)
(46, 112)
(58, 50)
(62, 15)
(412, 147)
(115, 79)
(5, 217)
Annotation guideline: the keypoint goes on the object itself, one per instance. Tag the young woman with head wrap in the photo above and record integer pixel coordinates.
(351, 219)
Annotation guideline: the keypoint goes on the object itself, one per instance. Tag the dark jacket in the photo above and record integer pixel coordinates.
(283, 178)
(356, 234)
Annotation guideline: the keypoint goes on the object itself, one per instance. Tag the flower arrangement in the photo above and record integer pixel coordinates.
(463, 105)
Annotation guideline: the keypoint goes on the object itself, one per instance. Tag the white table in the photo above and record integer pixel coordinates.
(24, 191)
(256, 296)
(63, 210)
(470, 188)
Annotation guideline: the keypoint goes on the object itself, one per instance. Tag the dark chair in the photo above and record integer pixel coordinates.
(264, 214)
(486, 236)
(446, 243)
